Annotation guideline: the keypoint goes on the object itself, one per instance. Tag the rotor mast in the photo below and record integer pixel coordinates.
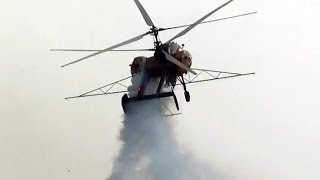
(154, 31)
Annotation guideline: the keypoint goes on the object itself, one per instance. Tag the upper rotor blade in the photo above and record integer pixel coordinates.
(197, 22)
(95, 50)
(178, 63)
(204, 22)
(144, 13)
(108, 49)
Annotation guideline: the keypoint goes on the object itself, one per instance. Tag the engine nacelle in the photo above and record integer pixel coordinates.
(184, 57)
(137, 64)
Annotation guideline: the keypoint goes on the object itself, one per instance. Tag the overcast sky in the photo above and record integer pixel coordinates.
(264, 126)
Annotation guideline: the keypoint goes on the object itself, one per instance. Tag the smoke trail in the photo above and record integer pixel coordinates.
(149, 149)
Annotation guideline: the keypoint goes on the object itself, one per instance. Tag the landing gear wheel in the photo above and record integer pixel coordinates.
(187, 96)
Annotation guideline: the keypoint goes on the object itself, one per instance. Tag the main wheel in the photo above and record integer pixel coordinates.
(187, 96)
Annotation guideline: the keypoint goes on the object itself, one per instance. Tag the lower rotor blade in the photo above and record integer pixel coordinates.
(198, 22)
(108, 49)
(178, 63)
(95, 50)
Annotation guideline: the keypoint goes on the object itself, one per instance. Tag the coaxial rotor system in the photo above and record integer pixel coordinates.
(154, 31)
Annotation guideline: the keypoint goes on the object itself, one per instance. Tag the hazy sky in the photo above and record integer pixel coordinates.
(260, 127)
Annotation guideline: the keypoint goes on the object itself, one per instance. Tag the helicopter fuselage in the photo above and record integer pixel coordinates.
(156, 64)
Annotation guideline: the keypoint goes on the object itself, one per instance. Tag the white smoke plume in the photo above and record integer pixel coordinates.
(149, 150)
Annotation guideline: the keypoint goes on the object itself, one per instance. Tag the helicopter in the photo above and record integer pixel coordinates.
(170, 63)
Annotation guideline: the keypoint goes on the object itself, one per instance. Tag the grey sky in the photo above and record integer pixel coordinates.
(259, 127)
